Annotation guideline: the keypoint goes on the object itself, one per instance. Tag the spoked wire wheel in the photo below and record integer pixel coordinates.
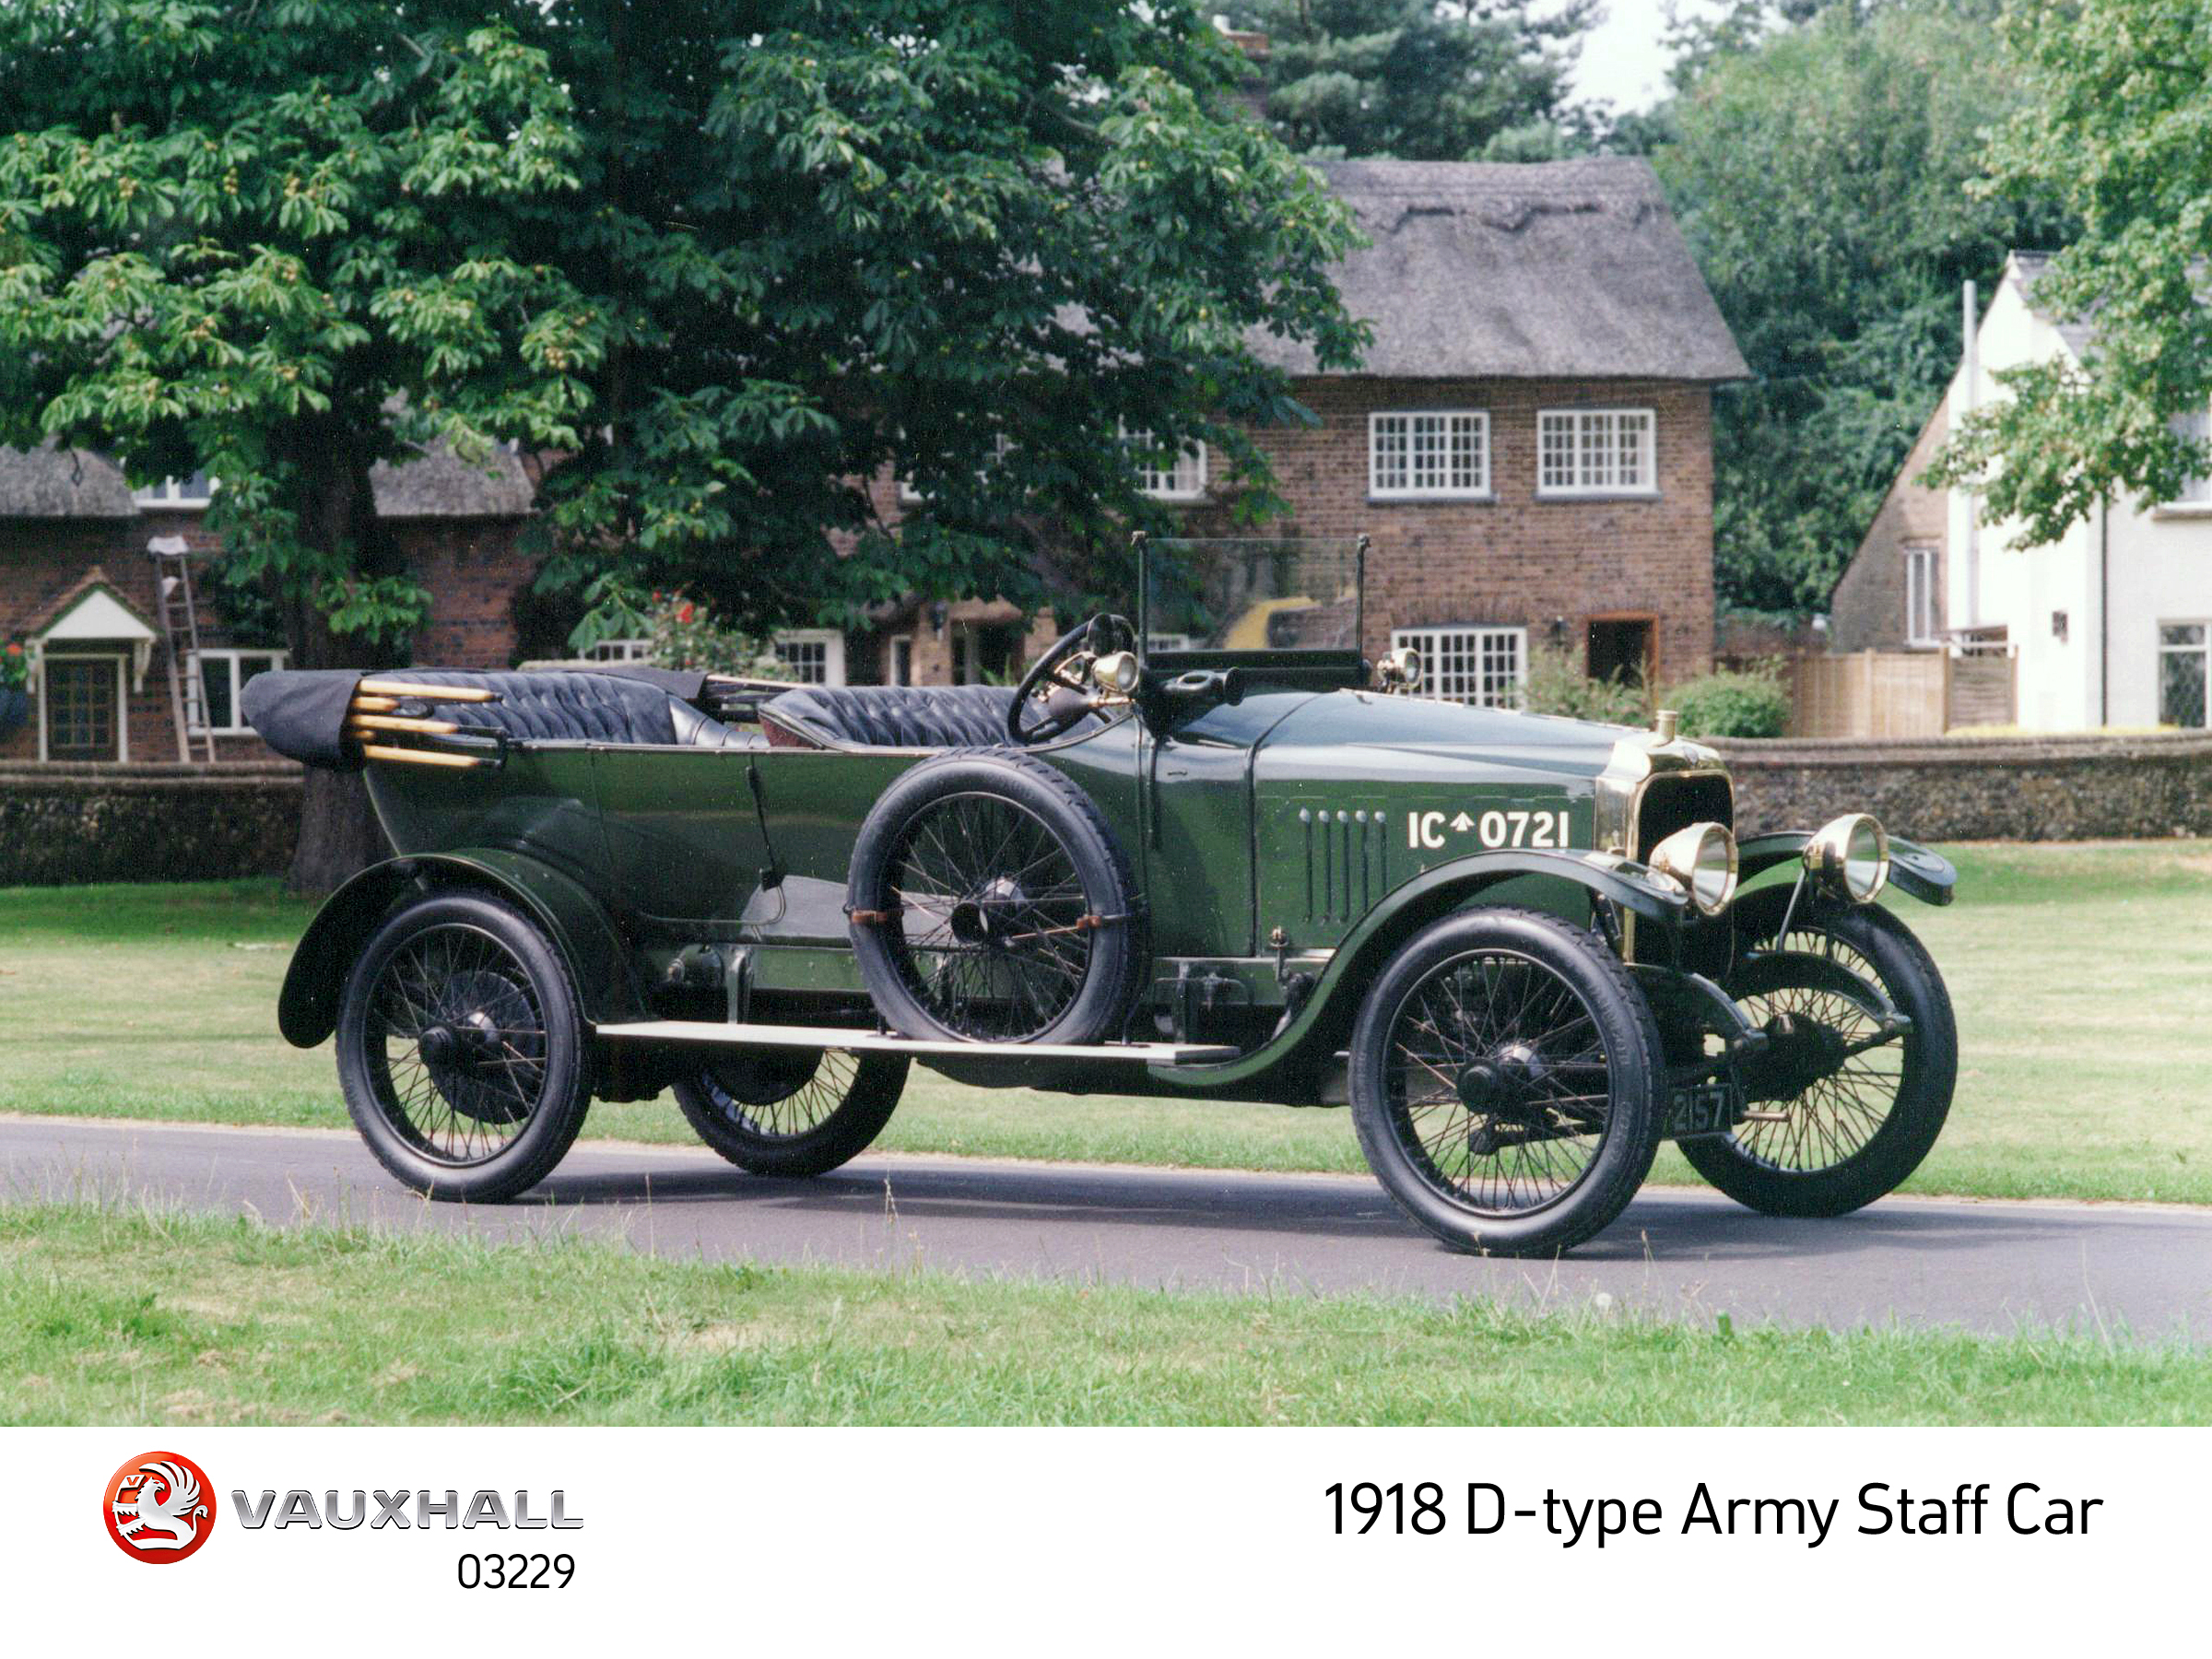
(991, 903)
(995, 934)
(1834, 1117)
(1505, 1081)
(461, 1048)
(1852, 1114)
(1498, 1080)
(782, 1093)
(792, 1112)
(456, 1046)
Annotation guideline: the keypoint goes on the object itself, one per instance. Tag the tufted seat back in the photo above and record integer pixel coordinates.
(895, 716)
(593, 708)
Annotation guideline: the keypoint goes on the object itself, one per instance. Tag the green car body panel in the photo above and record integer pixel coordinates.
(1283, 844)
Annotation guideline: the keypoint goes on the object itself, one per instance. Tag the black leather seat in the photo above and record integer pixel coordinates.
(593, 708)
(895, 716)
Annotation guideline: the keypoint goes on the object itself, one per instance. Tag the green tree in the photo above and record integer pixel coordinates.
(2118, 126)
(1819, 165)
(1422, 80)
(726, 261)
(272, 240)
(968, 244)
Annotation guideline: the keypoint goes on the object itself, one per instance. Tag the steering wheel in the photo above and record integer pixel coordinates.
(1049, 679)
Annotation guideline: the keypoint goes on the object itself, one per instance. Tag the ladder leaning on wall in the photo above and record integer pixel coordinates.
(181, 633)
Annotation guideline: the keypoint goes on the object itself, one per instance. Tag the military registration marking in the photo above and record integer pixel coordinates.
(1517, 828)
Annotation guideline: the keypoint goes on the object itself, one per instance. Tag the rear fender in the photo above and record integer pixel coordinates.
(1328, 1013)
(307, 1010)
(1928, 877)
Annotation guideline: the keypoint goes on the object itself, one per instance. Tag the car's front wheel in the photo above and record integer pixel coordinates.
(792, 1112)
(1845, 1114)
(1506, 1079)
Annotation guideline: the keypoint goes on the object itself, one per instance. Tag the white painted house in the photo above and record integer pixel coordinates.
(2110, 627)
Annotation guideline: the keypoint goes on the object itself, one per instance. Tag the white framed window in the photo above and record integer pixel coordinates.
(2194, 492)
(2185, 674)
(1172, 642)
(816, 656)
(1180, 479)
(899, 662)
(85, 711)
(195, 491)
(1595, 453)
(1469, 663)
(1415, 454)
(1920, 596)
(223, 674)
(620, 651)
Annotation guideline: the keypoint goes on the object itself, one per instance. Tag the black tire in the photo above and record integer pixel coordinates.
(461, 1049)
(1853, 1137)
(991, 903)
(1555, 1007)
(793, 1111)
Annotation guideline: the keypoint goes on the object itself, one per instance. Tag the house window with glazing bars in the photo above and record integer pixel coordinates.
(1470, 664)
(1920, 595)
(223, 674)
(1431, 453)
(2185, 655)
(83, 697)
(2195, 493)
(1180, 479)
(1594, 452)
(816, 656)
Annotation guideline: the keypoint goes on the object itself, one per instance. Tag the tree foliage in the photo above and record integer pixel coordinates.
(2118, 126)
(1422, 80)
(720, 263)
(1818, 163)
(270, 241)
(1000, 249)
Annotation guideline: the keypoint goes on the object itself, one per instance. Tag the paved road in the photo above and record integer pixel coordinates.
(1984, 1266)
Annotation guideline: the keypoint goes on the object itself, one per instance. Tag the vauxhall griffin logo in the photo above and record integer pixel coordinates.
(160, 1507)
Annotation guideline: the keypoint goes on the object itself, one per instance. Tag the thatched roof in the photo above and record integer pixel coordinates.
(1542, 270)
(52, 483)
(55, 483)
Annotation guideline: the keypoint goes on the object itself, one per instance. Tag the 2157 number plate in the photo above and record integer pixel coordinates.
(1709, 1108)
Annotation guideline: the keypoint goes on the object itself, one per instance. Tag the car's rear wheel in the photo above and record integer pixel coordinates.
(1506, 1083)
(1847, 1126)
(792, 1112)
(461, 1049)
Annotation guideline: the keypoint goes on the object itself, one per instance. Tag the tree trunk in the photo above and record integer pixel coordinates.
(338, 832)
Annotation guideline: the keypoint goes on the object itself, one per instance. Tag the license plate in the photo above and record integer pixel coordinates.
(1709, 1108)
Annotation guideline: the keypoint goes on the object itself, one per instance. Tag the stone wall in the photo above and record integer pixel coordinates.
(1980, 788)
(66, 824)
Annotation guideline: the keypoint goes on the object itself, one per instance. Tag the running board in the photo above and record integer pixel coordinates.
(838, 1037)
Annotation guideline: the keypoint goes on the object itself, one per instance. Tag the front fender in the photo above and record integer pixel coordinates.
(1928, 877)
(307, 1010)
(1412, 906)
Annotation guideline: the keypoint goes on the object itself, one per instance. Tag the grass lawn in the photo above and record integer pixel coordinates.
(112, 1317)
(2079, 974)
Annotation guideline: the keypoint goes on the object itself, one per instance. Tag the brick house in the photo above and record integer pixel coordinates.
(1528, 444)
(79, 590)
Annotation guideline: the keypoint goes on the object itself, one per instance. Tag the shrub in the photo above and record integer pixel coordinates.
(1745, 703)
(1556, 685)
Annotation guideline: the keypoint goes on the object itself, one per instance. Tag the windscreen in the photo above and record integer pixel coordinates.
(1252, 593)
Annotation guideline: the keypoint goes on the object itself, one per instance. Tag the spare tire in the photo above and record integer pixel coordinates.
(990, 903)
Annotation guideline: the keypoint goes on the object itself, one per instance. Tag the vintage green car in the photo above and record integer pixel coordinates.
(1216, 855)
